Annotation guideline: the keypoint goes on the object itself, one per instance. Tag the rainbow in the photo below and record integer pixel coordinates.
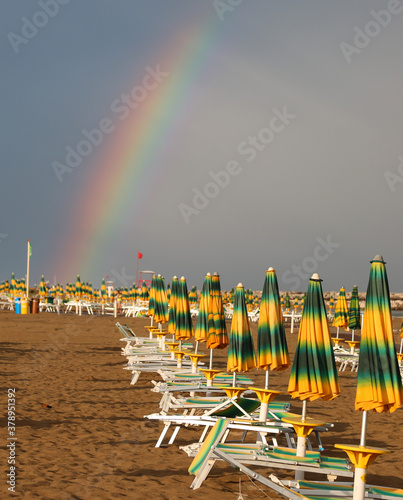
(131, 159)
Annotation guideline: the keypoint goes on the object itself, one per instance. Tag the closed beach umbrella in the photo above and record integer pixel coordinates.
(379, 385)
(168, 292)
(172, 306)
(78, 290)
(160, 302)
(42, 287)
(193, 295)
(202, 330)
(341, 312)
(184, 328)
(151, 297)
(314, 372)
(241, 355)
(272, 350)
(13, 285)
(296, 304)
(354, 313)
(104, 293)
(287, 301)
(217, 329)
(144, 292)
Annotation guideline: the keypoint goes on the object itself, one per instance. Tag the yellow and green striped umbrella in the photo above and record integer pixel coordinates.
(151, 296)
(241, 355)
(193, 295)
(144, 295)
(184, 327)
(341, 312)
(331, 303)
(78, 290)
(287, 301)
(272, 349)
(379, 385)
(172, 306)
(168, 292)
(42, 287)
(13, 285)
(296, 304)
(104, 293)
(354, 313)
(217, 329)
(314, 372)
(202, 328)
(282, 302)
(160, 302)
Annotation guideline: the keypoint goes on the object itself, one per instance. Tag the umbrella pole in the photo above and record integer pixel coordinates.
(337, 334)
(234, 379)
(401, 346)
(196, 346)
(359, 472)
(301, 444)
(266, 383)
(352, 335)
(211, 359)
(364, 428)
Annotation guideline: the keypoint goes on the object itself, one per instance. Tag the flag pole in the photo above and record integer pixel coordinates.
(28, 269)
(137, 268)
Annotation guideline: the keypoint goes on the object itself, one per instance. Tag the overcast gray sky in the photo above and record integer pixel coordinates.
(298, 103)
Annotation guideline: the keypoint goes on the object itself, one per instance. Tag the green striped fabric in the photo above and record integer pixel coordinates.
(314, 373)
(354, 313)
(212, 438)
(379, 385)
(201, 330)
(184, 327)
(272, 350)
(233, 411)
(341, 311)
(321, 485)
(217, 328)
(241, 355)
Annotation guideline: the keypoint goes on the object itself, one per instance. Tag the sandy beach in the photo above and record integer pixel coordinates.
(80, 431)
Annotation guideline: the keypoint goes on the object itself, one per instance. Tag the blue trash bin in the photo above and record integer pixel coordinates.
(17, 305)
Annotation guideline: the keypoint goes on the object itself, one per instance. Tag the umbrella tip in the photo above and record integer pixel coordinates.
(239, 285)
(270, 269)
(379, 257)
(315, 276)
(182, 277)
(159, 276)
(175, 278)
(208, 274)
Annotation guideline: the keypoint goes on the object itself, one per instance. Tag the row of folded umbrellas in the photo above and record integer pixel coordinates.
(313, 374)
(17, 287)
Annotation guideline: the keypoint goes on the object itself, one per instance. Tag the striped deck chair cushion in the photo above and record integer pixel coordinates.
(392, 492)
(213, 437)
(232, 411)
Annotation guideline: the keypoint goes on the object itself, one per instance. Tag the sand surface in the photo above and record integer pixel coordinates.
(93, 443)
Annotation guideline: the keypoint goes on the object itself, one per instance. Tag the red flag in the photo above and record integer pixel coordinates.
(139, 255)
